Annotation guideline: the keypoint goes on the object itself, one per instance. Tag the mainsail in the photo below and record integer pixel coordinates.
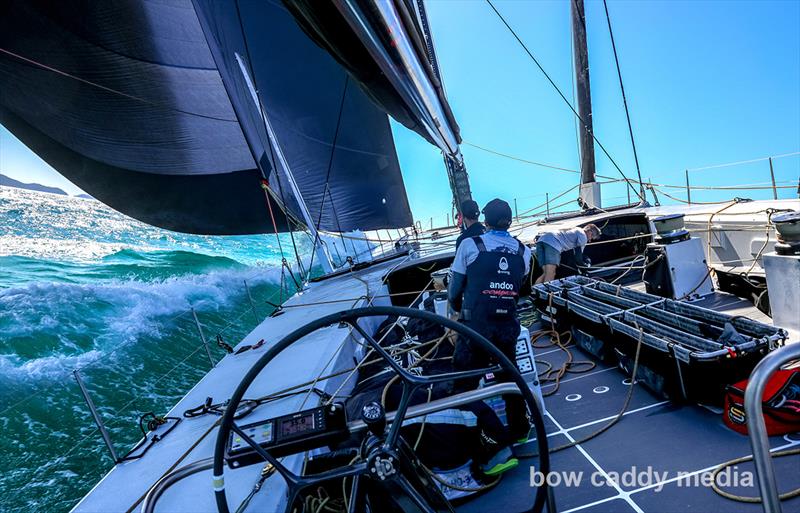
(127, 100)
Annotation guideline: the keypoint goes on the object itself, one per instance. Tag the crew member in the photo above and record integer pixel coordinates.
(550, 245)
(485, 281)
(471, 227)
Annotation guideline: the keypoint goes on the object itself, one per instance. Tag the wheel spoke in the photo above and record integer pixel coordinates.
(356, 469)
(404, 374)
(400, 414)
(290, 477)
(414, 495)
(454, 376)
(352, 507)
(291, 498)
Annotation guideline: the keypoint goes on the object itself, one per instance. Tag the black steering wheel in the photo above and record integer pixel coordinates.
(390, 448)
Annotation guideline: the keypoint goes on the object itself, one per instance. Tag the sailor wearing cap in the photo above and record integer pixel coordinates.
(470, 212)
(486, 277)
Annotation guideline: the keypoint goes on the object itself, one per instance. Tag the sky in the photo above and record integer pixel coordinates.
(707, 82)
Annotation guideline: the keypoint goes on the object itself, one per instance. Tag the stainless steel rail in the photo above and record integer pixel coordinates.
(757, 430)
(445, 403)
(150, 500)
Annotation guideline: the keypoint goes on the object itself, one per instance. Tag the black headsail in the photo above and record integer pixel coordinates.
(126, 99)
(387, 48)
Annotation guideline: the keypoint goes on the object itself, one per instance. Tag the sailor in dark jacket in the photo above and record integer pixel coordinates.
(485, 280)
(471, 226)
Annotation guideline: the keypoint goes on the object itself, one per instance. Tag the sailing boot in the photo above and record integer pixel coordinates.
(501, 462)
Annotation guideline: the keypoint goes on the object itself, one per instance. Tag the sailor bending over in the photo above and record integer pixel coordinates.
(550, 246)
(485, 281)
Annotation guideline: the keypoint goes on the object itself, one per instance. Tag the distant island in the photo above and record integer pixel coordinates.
(85, 196)
(10, 182)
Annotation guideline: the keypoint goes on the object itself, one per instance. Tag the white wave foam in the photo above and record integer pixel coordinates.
(108, 314)
(12, 366)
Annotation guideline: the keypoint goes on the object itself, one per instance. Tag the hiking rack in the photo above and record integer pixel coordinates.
(688, 352)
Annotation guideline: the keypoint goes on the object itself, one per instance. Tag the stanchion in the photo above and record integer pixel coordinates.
(203, 337)
(252, 303)
(95, 415)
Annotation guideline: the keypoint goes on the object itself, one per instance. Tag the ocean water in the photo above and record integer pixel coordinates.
(82, 286)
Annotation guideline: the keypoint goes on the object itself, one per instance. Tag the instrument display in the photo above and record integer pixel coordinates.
(297, 425)
(288, 434)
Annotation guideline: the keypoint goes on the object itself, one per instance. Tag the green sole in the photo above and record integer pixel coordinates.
(502, 467)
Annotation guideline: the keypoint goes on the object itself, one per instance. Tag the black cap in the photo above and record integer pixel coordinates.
(470, 209)
(497, 214)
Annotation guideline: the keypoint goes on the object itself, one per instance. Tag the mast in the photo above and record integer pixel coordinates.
(589, 189)
(459, 180)
(456, 169)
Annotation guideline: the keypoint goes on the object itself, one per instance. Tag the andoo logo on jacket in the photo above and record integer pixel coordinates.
(500, 288)
(502, 266)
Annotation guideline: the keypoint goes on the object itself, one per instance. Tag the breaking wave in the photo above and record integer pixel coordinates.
(48, 326)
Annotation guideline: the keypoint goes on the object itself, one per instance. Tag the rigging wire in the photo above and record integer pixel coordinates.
(762, 185)
(328, 174)
(563, 97)
(519, 159)
(624, 99)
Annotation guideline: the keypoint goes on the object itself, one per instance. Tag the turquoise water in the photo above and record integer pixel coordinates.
(82, 286)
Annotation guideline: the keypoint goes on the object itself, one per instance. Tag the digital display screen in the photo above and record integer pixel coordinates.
(297, 425)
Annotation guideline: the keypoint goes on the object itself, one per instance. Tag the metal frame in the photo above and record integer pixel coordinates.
(756, 428)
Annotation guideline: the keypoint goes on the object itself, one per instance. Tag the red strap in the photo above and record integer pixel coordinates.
(265, 186)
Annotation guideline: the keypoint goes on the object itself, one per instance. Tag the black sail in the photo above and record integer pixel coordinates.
(125, 98)
(311, 103)
(325, 23)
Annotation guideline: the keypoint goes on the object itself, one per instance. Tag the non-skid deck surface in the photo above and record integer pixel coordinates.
(654, 436)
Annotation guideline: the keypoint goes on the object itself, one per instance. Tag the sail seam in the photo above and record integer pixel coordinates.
(110, 89)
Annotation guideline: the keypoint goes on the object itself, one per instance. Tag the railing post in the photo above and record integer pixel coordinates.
(688, 189)
(756, 428)
(772, 175)
(628, 189)
(447, 218)
(203, 337)
(516, 211)
(431, 223)
(547, 202)
(250, 296)
(338, 254)
(95, 415)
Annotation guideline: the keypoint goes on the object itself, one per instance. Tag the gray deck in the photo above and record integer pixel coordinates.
(653, 433)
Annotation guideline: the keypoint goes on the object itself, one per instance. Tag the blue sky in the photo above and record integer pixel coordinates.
(708, 82)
